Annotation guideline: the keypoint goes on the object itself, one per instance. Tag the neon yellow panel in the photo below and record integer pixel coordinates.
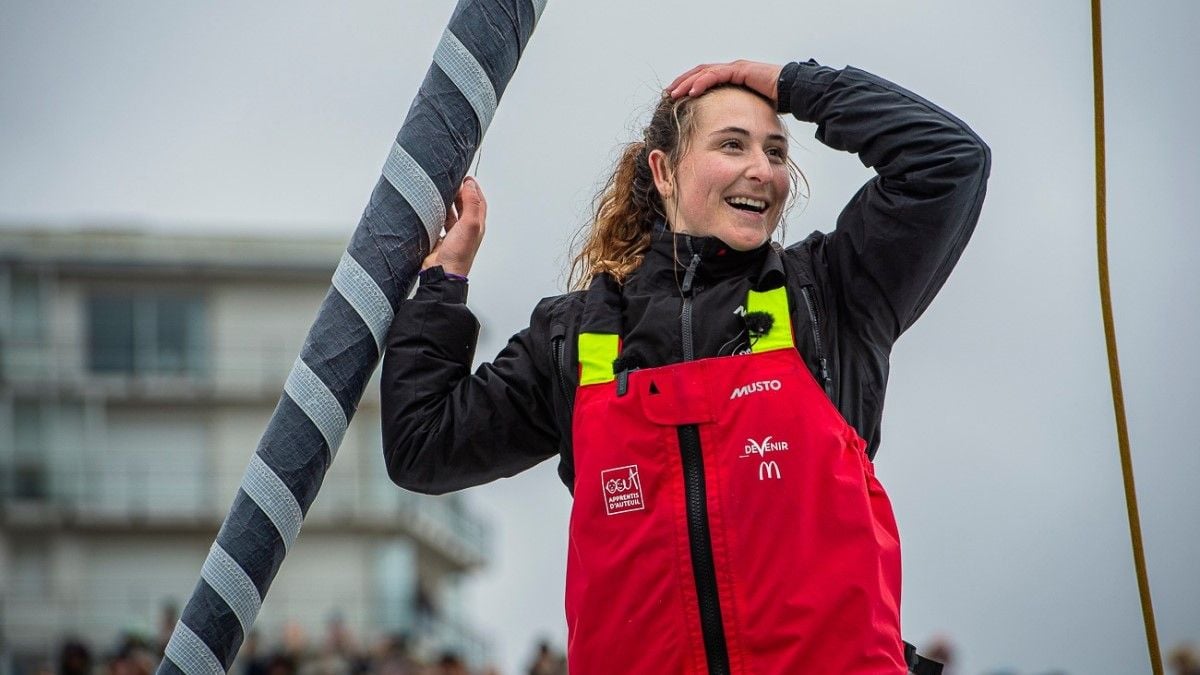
(775, 303)
(597, 351)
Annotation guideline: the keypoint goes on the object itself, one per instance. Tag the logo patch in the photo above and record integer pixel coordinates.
(761, 448)
(755, 388)
(622, 489)
(769, 469)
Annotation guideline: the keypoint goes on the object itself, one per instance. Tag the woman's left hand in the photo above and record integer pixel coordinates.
(761, 77)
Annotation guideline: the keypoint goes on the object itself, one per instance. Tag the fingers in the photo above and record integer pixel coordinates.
(761, 77)
(677, 82)
(699, 79)
(464, 226)
(455, 252)
(471, 206)
(695, 81)
(430, 260)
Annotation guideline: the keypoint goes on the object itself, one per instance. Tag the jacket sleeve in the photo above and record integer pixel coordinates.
(900, 235)
(445, 428)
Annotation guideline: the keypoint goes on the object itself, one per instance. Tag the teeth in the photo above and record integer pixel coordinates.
(755, 204)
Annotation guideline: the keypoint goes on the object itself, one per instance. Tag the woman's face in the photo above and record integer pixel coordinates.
(732, 181)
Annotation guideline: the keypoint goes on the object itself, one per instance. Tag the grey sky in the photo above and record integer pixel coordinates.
(998, 447)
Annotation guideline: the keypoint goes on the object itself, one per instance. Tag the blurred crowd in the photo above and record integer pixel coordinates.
(339, 654)
(292, 655)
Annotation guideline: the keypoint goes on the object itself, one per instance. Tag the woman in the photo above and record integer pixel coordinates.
(714, 400)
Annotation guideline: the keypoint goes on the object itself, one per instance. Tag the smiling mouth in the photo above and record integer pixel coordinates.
(747, 204)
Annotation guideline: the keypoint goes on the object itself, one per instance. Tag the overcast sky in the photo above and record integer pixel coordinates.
(998, 449)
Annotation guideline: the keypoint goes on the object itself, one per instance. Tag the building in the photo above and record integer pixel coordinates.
(137, 373)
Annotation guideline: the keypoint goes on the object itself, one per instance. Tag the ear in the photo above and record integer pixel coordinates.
(664, 178)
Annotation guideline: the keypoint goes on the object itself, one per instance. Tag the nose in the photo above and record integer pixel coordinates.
(759, 167)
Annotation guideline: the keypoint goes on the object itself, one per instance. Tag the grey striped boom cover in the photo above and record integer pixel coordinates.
(473, 63)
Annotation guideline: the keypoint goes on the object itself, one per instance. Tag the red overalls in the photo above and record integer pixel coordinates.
(726, 517)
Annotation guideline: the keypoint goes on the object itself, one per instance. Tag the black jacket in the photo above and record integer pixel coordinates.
(853, 292)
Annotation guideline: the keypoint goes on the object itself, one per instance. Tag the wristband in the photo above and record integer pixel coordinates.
(437, 273)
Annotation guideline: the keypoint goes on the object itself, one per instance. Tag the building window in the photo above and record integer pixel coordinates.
(27, 467)
(27, 313)
(395, 585)
(147, 333)
(30, 568)
(137, 474)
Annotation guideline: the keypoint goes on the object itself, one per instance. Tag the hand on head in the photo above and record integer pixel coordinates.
(761, 77)
(455, 250)
(464, 227)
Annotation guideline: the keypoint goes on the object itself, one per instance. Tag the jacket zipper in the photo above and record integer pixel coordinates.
(826, 380)
(703, 568)
(689, 277)
(560, 366)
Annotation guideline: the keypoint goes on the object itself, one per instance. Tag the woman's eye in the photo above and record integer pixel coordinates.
(732, 144)
(777, 153)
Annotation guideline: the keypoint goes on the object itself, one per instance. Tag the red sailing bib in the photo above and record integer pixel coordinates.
(726, 519)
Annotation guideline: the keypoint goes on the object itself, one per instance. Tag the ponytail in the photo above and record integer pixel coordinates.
(626, 210)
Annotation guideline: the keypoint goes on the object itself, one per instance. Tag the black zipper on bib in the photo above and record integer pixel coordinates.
(826, 380)
(703, 566)
(699, 537)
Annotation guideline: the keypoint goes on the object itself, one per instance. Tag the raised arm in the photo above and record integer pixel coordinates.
(900, 235)
(445, 428)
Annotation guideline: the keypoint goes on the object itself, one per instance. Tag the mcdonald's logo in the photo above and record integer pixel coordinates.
(769, 469)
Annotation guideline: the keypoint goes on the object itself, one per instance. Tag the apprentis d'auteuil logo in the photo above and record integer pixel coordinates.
(622, 489)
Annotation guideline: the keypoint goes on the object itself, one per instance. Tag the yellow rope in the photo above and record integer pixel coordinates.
(1110, 338)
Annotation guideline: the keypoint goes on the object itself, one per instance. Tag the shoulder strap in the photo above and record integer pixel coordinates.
(599, 331)
(919, 665)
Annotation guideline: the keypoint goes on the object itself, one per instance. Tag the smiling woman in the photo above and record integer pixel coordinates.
(699, 158)
(714, 399)
(732, 180)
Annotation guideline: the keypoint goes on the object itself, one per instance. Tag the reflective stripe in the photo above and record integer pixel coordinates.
(232, 583)
(460, 65)
(267, 490)
(775, 303)
(539, 6)
(365, 296)
(417, 188)
(315, 399)
(597, 351)
(187, 651)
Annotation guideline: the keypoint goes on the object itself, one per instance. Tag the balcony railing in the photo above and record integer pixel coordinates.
(132, 497)
(236, 372)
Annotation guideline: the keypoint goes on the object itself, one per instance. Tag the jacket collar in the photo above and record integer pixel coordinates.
(671, 252)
